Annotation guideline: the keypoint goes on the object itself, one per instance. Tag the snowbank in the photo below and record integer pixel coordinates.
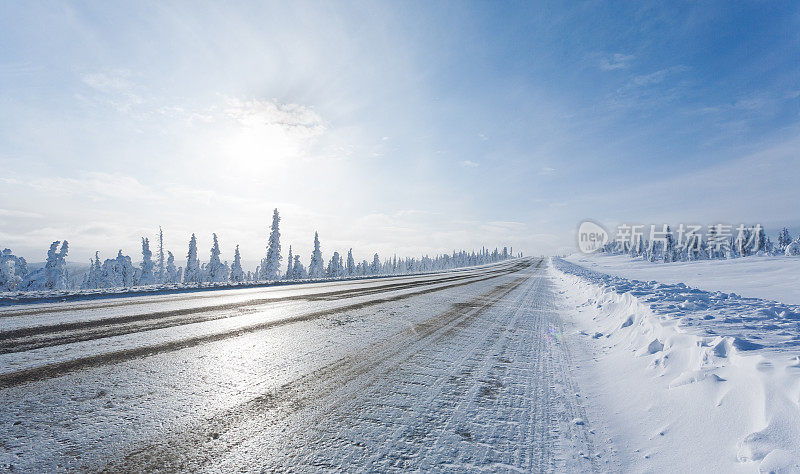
(772, 278)
(691, 380)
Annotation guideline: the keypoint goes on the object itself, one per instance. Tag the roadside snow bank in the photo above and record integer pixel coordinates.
(701, 380)
(765, 277)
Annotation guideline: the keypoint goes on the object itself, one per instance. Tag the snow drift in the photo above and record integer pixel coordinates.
(703, 380)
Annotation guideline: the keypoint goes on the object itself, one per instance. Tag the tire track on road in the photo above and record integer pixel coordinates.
(191, 448)
(133, 298)
(80, 363)
(494, 395)
(36, 337)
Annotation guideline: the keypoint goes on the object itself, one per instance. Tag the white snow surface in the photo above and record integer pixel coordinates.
(563, 369)
(765, 277)
(456, 372)
(687, 380)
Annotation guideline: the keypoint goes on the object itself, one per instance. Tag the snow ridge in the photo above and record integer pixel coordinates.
(704, 357)
(752, 322)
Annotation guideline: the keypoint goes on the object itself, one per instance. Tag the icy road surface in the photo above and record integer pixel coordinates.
(462, 370)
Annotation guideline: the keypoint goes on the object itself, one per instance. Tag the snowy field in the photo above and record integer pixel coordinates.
(771, 278)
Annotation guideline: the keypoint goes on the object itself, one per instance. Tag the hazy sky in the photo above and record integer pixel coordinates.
(408, 127)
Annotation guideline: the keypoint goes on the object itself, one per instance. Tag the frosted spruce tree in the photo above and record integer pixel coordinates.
(289, 272)
(316, 268)
(172, 274)
(711, 239)
(793, 249)
(90, 277)
(160, 263)
(54, 275)
(298, 270)
(351, 264)
(237, 274)
(272, 264)
(669, 247)
(57, 276)
(117, 273)
(217, 272)
(9, 281)
(12, 271)
(147, 276)
(192, 272)
(334, 269)
(784, 239)
(375, 268)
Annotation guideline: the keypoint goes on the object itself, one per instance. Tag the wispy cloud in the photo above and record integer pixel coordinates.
(651, 90)
(16, 213)
(110, 81)
(616, 61)
(94, 185)
(468, 164)
(266, 113)
(657, 76)
(113, 88)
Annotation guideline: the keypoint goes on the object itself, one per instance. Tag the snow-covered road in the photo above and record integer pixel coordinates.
(460, 370)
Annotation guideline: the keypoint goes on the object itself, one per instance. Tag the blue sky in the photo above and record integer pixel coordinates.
(408, 127)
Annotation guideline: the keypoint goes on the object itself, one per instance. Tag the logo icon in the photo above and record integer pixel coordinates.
(591, 236)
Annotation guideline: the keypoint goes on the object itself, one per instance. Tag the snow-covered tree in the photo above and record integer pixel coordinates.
(351, 264)
(784, 239)
(261, 269)
(172, 273)
(760, 240)
(217, 272)
(375, 268)
(160, 263)
(742, 244)
(656, 250)
(298, 270)
(335, 269)
(237, 274)
(694, 249)
(716, 247)
(192, 273)
(289, 271)
(793, 249)
(13, 271)
(669, 247)
(56, 267)
(92, 277)
(147, 276)
(117, 273)
(316, 267)
(54, 275)
(8, 280)
(272, 264)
